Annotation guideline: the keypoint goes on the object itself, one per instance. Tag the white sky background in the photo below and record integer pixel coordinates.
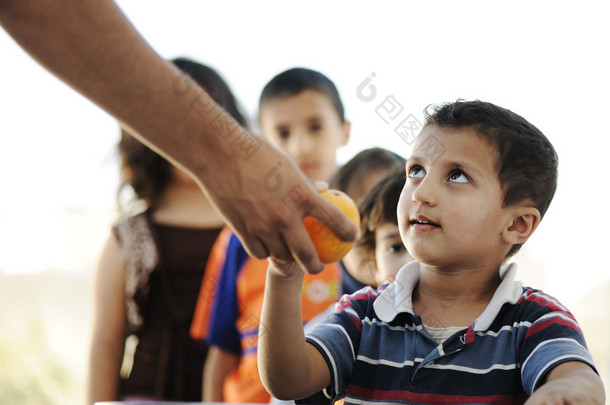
(547, 61)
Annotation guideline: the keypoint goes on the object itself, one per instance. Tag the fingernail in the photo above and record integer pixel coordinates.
(320, 185)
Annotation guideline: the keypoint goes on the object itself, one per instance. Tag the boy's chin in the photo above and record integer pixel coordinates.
(432, 260)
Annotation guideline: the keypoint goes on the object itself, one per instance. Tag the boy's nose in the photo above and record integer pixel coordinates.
(302, 144)
(424, 193)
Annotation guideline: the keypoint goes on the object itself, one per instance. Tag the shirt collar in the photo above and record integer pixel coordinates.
(397, 297)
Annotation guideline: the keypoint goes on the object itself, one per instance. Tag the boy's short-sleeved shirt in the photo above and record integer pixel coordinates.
(378, 350)
(237, 310)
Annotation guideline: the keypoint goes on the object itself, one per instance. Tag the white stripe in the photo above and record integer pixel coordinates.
(351, 346)
(352, 312)
(556, 360)
(506, 328)
(437, 366)
(332, 362)
(359, 401)
(441, 352)
(557, 315)
(379, 322)
(548, 342)
(331, 358)
(548, 298)
(473, 370)
(396, 364)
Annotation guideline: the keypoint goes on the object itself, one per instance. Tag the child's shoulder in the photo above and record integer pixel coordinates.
(535, 298)
(364, 297)
(536, 307)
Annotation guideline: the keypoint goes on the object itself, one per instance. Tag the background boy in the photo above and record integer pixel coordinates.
(356, 178)
(454, 327)
(301, 113)
(380, 242)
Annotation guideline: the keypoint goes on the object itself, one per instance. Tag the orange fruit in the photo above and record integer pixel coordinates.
(329, 246)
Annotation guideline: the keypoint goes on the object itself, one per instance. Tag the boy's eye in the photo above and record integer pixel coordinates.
(457, 176)
(415, 172)
(315, 127)
(396, 248)
(283, 133)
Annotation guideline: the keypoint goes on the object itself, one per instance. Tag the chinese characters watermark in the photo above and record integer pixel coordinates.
(390, 110)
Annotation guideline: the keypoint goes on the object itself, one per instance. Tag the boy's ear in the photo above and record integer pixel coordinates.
(347, 127)
(524, 222)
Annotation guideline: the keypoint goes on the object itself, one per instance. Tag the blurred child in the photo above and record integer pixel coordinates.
(455, 326)
(356, 178)
(149, 273)
(380, 240)
(301, 113)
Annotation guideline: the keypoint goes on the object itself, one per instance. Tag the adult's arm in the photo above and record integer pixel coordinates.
(93, 47)
(108, 337)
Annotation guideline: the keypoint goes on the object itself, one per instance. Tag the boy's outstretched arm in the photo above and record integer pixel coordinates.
(289, 367)
(570, 383)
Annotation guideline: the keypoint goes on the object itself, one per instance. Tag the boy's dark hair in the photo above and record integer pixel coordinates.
(293, 81)
(379, 206)
(348, 177)
(527, 162)
(144, 170)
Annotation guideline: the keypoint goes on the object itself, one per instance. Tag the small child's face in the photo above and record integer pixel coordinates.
(390, 252)
(307, 127)
(451, 211)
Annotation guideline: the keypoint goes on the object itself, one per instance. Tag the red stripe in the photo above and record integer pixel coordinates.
(470, 336)
(544, 300)
(364, 295)
(357, 322)
(402, 395)
(556, 320)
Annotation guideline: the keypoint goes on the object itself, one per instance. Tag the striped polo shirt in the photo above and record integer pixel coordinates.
(378, 351)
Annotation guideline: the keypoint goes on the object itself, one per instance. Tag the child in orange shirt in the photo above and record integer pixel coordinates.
(302, 114)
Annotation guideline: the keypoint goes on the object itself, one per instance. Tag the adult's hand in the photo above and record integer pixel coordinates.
(265, 198)
(92, 46)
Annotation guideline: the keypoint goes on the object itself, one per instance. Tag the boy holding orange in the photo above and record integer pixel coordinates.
(455, 326)
(301, 113)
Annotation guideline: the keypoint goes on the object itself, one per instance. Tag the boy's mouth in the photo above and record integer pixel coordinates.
(422, 221)
(306, 167)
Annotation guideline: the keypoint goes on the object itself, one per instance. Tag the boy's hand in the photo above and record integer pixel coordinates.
(570, 383)
(284, 269)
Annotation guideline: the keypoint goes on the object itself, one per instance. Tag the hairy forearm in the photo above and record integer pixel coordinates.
(92, 46)
(284, 357)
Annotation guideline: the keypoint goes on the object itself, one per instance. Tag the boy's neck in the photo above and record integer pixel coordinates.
(455, 298)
